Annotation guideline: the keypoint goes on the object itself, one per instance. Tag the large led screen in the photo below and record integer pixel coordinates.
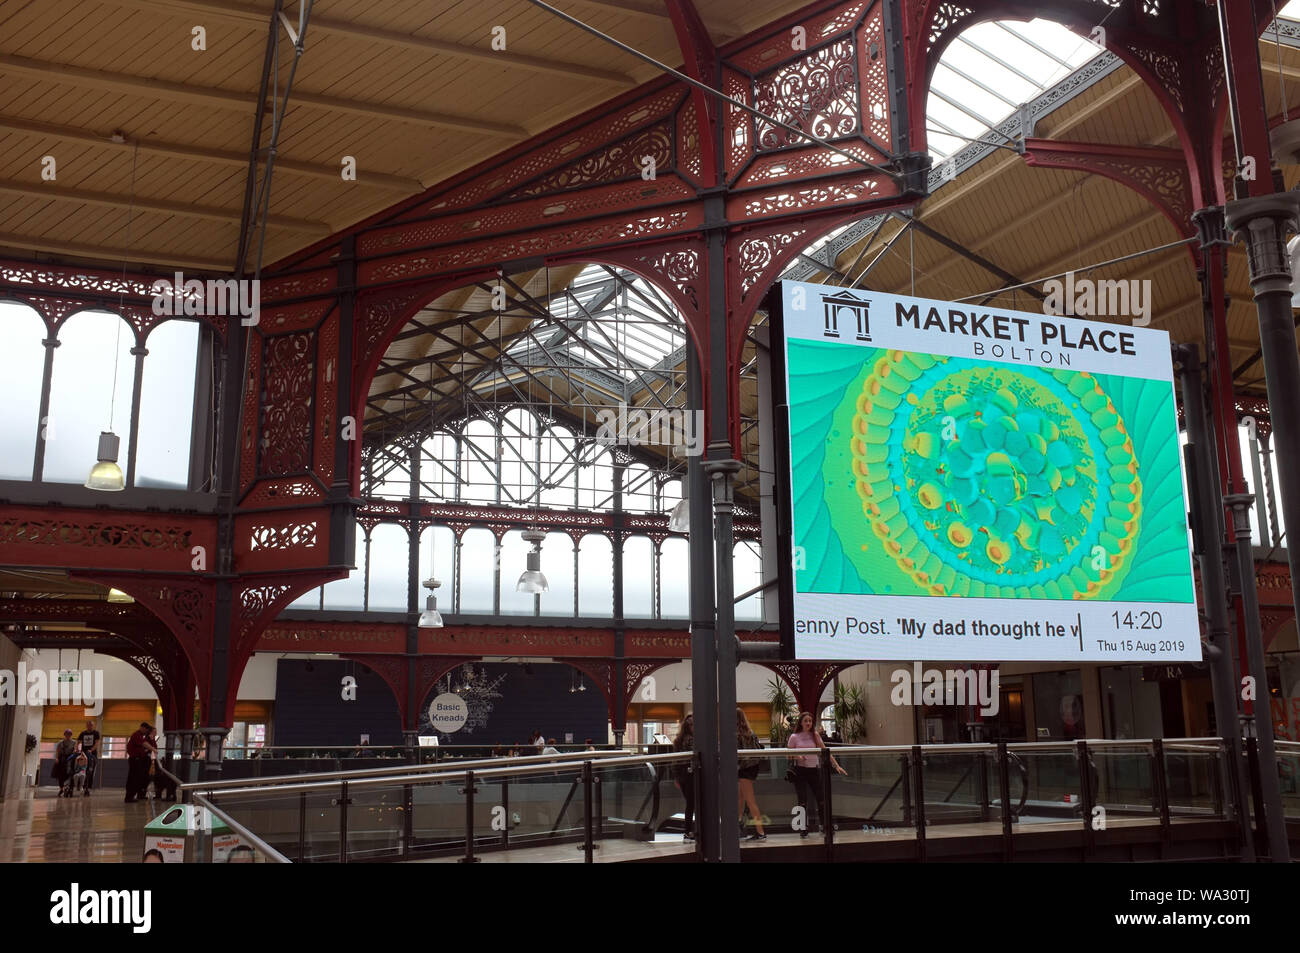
(974, 483)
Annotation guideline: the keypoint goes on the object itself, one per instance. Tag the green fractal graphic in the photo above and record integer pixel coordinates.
(918, 474)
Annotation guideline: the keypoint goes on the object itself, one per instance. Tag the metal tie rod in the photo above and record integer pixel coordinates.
(705, 87)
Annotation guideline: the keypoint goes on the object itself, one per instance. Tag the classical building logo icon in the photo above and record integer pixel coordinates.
(849, 308)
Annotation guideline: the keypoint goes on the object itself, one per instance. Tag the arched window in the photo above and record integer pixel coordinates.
(387, 568)
(596, 576)
(674, 579)
(22, 367)
(748, 573)
(638, 489)
(638, 578)
(438, 467)
(518, 457)
(558, 565)
(596, 479)
(559, 472)
(167, 405)
(670, 494)
(476, 569)
(479, 466)
(514, 560)
(443, 566)
(389, 474)
(83, 398)
(349, 593)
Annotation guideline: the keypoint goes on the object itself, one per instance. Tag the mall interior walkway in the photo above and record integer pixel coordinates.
(37, 826)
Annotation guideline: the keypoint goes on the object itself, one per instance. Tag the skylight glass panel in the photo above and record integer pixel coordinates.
(990, 70)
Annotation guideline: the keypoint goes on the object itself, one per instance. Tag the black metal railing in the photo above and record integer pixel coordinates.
(587, 800)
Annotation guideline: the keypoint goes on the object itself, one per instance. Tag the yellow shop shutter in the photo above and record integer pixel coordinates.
(59, 717)
(122, 718)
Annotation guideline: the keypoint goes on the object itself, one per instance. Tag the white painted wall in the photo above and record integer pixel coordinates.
(121, 680)
(258, 683)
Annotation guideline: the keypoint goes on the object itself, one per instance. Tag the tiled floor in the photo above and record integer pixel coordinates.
(39, 827)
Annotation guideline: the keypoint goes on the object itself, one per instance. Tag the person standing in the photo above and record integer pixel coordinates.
(807, 774)
(161, 783)
(684, 773)
(748, 773)
(63, 755)
(137, 766)
(89, 741)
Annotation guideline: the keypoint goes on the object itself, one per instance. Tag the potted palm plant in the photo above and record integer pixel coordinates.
(783, 710)
(851, 713)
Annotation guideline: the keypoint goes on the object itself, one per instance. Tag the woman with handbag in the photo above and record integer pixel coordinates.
(807, 775)
(685, 773)
(746, 740)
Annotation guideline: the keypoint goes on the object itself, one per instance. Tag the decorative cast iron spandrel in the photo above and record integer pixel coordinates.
(392, 669)
(248, 442)
(618, 161)
(297, 317)
(304, 285)
(588, 133)
(86, 289)
(66, 538)
(287, 425)
(873, 69)
(291, 536)
(738, 139)
(272, 493)
(327, 383)
(1159, 175)
(817, 93)
(600, 671)
(148, 666)
(689, 144)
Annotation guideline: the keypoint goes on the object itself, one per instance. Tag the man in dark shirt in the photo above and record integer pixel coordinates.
(137, 768)
(89, 741)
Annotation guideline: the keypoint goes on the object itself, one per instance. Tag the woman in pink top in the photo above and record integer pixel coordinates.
(807, 776)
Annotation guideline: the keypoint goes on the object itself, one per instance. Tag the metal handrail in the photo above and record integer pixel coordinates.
(456, 774)
(581, 768)
(396, 772)
(350, 752)
(158, 766)
(242, 831)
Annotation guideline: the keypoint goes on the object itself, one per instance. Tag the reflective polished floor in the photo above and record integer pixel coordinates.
(37, 826)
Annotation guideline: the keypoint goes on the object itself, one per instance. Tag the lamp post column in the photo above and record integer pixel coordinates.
(722, 470)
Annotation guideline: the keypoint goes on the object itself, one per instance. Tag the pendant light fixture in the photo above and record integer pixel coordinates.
(106, 475)
(532, 579)
(680, 520)
(431, 618)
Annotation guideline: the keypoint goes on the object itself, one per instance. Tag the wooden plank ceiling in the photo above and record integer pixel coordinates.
(410, 88)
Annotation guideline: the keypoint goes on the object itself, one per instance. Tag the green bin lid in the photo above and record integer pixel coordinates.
(180, 818)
